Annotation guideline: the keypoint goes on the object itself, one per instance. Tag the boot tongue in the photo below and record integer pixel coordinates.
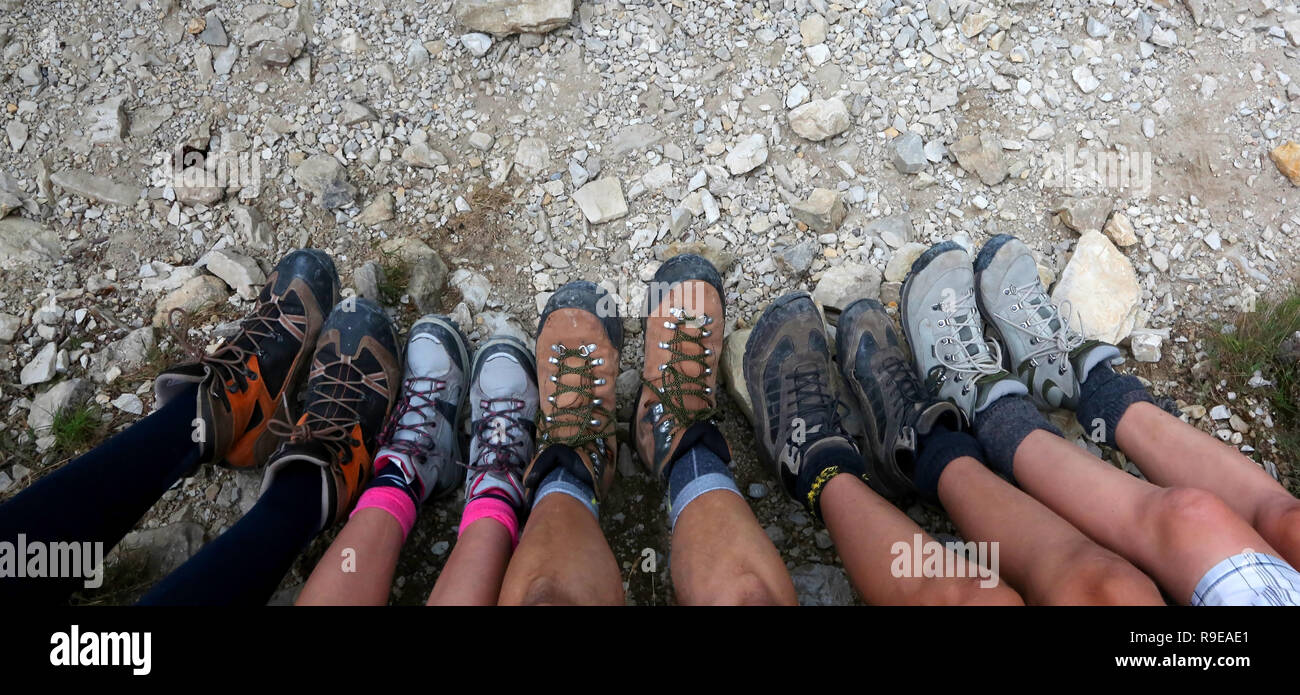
(938, 412)
(402, 461)
(1091, 357)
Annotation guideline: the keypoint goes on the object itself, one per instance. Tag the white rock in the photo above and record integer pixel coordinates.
(820, 119)
(658, 177)
(1101, 288)
(602, 200)
(1083, 77)
(901, 262)
(473, 287)
(1145, 347)
(41, 368)
(843, 284)
(748, 154)
(129, 403)
(238, 271)
(476, 43)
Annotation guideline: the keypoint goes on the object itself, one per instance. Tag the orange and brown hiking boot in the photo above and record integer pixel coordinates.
(356, 374)
(249, 379)
(578, 340)
(679, 380)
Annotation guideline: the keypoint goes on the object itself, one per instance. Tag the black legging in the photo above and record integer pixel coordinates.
(101, 495)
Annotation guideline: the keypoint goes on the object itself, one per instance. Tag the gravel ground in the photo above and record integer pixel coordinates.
(458, 158)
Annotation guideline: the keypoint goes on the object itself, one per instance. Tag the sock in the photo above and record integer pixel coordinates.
(824, 459)
(389, 491)
(491, 506)
(1002, 426)
(939, 448)
(246, 564)
(1103, 398)
(697, 471)
(560, 480)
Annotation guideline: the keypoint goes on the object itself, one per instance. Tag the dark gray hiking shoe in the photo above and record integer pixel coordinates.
(896, 410)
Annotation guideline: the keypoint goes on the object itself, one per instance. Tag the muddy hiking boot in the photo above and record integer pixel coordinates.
(252, 378)
(945, 330)
(679, 378)
(354, 383)
(503, 411)
(1043, 351)
(579, 337)
(421, 436)
(896, 410)
(797, 420)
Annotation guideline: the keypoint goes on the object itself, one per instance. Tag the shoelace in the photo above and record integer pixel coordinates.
(334, 430)
(422, 442)
(1048, 341)
(900, 373)
(498, 433)
(675, 385)
(229, 361)
(814, 403)
(586, 413)
(974, 356)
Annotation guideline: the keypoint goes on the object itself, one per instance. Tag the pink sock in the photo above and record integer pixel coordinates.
(391, 500)
(491, 508)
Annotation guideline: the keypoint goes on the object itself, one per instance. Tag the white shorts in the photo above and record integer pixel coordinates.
(1249, 579)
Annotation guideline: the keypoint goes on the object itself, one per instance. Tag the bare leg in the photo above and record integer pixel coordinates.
(358, 567)
(473, 573)
(1174, 534)
(1170, 452)
(1041, 554)
(865, 528)
(721, 556)
(562, 558)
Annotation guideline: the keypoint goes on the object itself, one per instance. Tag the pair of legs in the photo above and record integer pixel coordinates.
(100, 496)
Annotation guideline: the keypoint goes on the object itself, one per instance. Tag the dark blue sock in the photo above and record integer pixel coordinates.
(939, 448)
(1103, 398)
(1002, 426)
(245, 564)
(100, 495)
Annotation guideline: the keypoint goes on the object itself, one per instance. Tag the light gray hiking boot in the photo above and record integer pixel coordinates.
(943, 326)
(1044, 352)
(421, 437)
(503, 412)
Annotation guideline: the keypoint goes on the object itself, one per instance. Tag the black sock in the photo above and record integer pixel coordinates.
(939, 448)
(246, 564)
(1002, 426)
(1103, 398)
(825, 459)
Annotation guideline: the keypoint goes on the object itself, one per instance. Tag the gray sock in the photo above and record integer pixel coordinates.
(1003, 425)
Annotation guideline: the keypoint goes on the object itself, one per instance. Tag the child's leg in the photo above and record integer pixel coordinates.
(1041, 554)
(477, 566)
(1170, 452)
(1176, 535)
(865, 528)
(358, 567)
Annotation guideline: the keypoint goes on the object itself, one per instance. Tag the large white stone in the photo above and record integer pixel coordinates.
(820, 119)
(602, 200)
(513, 16)
(748, 154)
(1101, 290)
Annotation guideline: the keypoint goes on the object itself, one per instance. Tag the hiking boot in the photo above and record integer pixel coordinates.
(943, 325)
(1045, 353)
(896, 410)
(503, 414)
(788, 373)
(580, 334)
(354, 383)
(421, 436)
(250, 379)
(679, 378)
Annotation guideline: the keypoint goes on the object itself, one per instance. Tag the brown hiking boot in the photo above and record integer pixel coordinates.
(356, 374)
(679, 380)
(250, 379)
(578, 340)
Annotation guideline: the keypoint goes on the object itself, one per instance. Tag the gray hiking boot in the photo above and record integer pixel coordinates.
(896, 410)
(503, 412)
(943, 325)
(1044, 352)
(421, 436)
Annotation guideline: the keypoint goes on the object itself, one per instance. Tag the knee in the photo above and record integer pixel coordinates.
(1183, 512)
(746, 588)
(547, 590)
(1100, 578)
